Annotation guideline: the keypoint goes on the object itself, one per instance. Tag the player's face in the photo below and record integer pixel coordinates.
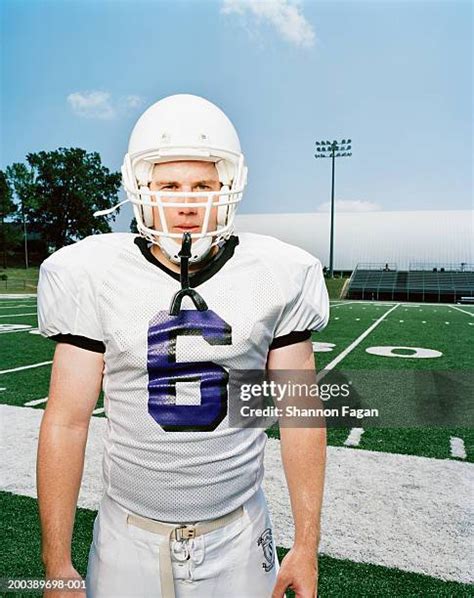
(185, 176)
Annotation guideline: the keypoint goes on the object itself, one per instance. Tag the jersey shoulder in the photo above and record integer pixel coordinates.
(69, 283)
(93, 253)
(276, 252)
(299, 275)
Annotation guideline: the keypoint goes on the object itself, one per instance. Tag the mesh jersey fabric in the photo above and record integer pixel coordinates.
(158, 462)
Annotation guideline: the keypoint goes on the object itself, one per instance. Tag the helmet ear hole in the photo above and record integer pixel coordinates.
(223, 211)
(143, 172)
(147, 212)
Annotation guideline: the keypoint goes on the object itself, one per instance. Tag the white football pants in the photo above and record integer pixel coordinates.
(237, 560)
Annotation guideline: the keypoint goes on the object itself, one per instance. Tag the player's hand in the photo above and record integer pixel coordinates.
(64, 574)
(299, 572)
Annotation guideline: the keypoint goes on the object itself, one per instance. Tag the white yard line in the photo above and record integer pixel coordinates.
(458, 449)
(35, 402)
(17, 315)
(341, 303)
(376, 303)
(26, 367)
(397, 511)
(21, 296)
(461, 310)
(354, 344)
(354, 437)
(29, 329)
(14, 306)
(5, 305)
(10, 301)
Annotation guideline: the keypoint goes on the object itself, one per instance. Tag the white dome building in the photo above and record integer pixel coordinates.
(434, 238)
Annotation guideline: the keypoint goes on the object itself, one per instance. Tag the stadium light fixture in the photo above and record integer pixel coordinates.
(333, 150)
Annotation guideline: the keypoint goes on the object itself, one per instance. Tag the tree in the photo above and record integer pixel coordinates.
(133, 225)
(61, 190)
(22, 180)
(7, 209)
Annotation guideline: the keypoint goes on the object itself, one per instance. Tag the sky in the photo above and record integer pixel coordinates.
(394, 77)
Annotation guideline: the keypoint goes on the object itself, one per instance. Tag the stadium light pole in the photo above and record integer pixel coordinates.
(336, 149)
(25, 234)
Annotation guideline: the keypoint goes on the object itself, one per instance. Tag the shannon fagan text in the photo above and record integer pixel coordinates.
(294, 411)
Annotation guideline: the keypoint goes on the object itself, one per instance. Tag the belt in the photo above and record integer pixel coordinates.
(170, 531)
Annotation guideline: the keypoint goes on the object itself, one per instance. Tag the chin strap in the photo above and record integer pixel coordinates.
(186, 290)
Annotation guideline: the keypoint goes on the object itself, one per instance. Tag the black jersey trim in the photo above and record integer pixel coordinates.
(294, 337)
(205, 273)
(83, 342)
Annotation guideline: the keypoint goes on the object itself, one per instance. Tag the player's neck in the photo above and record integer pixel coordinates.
(163, 259)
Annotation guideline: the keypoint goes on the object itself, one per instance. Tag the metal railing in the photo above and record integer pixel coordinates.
(440, 267)
(377, 266)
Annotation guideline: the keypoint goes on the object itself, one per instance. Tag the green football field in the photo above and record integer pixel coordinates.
(430, 467)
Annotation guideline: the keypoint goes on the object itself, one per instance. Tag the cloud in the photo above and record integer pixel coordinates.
(132, 101)
(100, 104)
(91, 104)
(350, 205)
(285, 16)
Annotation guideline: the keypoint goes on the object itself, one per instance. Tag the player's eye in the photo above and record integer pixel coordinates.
(168, 187)
(204, 187)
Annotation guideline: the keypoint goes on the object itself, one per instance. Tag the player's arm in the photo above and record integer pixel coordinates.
(75, 386)
(303, 453)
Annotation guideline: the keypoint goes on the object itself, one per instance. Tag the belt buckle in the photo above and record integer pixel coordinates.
(184, 532)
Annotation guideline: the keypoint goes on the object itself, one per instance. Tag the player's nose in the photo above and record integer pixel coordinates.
(187, 210)
(188, 201)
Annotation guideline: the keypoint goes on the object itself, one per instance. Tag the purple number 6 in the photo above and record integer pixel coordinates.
(164, 372)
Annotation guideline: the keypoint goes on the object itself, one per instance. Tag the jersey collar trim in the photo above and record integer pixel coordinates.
(205, 273)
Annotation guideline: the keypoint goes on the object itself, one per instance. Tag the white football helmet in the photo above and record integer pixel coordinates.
(184, 127)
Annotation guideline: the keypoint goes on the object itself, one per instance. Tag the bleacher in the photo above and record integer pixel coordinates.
(431, 283)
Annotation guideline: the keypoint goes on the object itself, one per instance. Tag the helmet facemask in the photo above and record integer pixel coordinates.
(231, 173)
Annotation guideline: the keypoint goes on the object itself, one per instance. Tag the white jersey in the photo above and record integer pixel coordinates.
(169, 451)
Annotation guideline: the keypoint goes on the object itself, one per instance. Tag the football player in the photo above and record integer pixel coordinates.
(159, 320)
